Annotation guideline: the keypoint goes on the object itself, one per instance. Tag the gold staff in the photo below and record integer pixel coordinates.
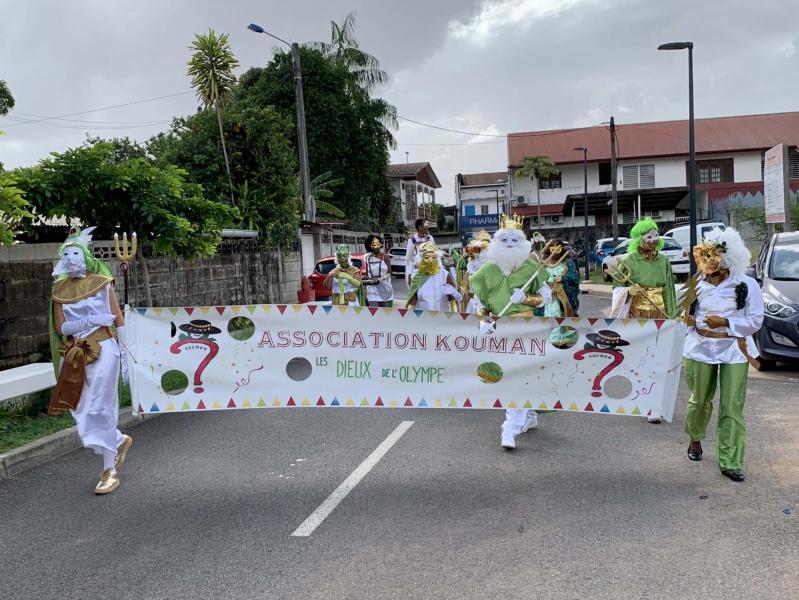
(125, 254)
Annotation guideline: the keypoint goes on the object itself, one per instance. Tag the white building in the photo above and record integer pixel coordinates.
(415, 185)
(652, 169)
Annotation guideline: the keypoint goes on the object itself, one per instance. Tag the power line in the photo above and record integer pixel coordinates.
(84, 112)
(28, 116)
(531, 134)
(43, 123)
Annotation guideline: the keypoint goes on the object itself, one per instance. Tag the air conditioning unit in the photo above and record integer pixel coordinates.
(555, 219)
(520, 200)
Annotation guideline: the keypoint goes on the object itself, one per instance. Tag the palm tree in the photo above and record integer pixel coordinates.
(364, 68)
(322, 187)
(211, 71)
(537, 167)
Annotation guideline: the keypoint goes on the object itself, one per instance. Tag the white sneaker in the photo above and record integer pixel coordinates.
(654, 419)
(507, 441)
(531, 422)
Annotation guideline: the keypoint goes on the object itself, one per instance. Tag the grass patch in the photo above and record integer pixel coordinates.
(595, 277)
(18, 428)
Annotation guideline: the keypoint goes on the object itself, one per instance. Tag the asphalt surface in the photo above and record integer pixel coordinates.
(588, 506)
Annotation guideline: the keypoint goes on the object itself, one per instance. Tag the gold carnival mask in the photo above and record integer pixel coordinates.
(708, 258)
(429, 262)
(376, 245)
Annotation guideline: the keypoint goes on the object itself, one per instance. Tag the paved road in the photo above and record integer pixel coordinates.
(588, 506)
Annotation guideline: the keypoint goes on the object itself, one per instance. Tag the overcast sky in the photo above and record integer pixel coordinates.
(492, 66)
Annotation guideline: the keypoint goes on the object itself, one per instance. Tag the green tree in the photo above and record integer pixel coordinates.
(6, 99)
(366, 75)
(322, 186)
(346, 136)
(13, 208)
(536, 168)
(263, 166)
(211, 71)
(168, 213)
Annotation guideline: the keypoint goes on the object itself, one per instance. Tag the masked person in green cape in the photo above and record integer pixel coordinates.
(723, 309)
(432, 287)
(643, 281)
(510, 284)
(86, 354)
(345, 280)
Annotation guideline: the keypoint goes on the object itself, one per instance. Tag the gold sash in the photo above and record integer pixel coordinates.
(741, 344)
(77, 353)
(649, 304)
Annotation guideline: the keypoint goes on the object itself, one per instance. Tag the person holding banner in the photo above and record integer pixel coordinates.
(723, 309)
(379, 291)
(84, 309)
(432, 287)
(415, 242)
(345, 280)
(643, 281)
(510, 284)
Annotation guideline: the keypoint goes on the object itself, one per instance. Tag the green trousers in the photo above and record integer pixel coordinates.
(730, 431)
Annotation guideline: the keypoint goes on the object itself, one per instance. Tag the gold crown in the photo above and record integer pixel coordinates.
(428, 247)
(514, 222)
(483, 236)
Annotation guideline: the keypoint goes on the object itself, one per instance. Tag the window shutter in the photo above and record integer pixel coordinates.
(793, 163)
(646, 176)
(630, 175)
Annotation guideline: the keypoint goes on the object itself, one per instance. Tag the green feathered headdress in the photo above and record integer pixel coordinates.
(639, 229)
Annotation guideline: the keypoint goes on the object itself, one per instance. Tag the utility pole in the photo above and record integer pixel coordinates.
(614, 193)
(308, 204)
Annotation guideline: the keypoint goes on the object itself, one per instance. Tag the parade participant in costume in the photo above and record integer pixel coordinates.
(86, 355)
(643, 281)
(379, 291)
(476, 254)
(510, 284)
(723, 308)
(415, 242)
(432, 287)
(345, 280)
(562, 278)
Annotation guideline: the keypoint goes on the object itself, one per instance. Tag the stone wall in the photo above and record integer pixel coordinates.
(235, 277)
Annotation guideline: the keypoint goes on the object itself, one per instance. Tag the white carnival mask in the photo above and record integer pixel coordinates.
(72, 263)
(651, 237)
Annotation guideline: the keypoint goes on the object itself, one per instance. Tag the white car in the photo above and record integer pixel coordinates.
(683, 234)
(678, 258)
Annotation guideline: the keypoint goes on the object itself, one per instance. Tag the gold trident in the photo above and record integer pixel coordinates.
(125, 254)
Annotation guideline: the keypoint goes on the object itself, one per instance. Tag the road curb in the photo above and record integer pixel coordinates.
(54, 446)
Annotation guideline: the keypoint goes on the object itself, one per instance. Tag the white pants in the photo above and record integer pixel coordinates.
(514, 420)
(98, 408)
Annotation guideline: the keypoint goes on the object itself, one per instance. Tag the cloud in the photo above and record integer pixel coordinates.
(788, 49)
(496, 16)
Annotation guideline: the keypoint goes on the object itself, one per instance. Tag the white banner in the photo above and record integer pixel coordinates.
(232, 357)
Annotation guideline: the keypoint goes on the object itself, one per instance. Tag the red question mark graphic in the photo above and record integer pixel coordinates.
(617, 356)
(213, 351)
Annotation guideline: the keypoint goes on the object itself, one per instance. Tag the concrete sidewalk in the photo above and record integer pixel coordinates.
(55, 445)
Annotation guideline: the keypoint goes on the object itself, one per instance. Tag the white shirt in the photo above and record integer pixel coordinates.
(430, 295)
(414, 243)
(376, 268)
(720, 300)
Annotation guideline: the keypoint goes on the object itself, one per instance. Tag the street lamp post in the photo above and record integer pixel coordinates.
(584, 150)
(497, 193)
(308, 204)
(691, 143)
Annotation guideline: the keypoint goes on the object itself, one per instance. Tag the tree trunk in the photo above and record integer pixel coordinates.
(224, 152)
(145, 277)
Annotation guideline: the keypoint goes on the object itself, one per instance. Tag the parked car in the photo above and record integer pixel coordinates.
(683, 234)
(602, 249)
(397, 254)
(323, 267)
(678, 258)
(777, 272)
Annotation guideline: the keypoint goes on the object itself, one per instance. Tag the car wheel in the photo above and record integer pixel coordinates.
(605, 276)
